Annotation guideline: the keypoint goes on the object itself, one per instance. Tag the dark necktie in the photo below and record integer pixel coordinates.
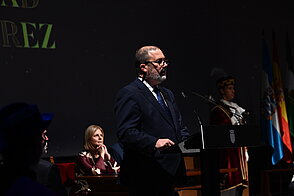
(161, 101)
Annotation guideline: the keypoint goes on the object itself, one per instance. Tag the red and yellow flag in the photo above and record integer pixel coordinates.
(281, 105)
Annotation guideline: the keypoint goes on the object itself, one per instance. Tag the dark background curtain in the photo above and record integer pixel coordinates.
(75, 69)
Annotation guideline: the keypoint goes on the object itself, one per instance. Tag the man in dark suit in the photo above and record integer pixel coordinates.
(148, 121)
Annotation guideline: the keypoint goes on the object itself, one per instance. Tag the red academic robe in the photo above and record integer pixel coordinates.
(230, 157)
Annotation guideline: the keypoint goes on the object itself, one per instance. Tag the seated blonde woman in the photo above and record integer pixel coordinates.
(95, 159)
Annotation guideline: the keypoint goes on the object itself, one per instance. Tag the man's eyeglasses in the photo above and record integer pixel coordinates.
(162, 61)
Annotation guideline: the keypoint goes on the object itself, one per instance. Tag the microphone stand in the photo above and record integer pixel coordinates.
(238, 116)
(201, 128)
(205, 98)
(209, 161)
(199, 122)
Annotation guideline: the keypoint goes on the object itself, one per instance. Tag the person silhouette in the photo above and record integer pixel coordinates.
(21, 128)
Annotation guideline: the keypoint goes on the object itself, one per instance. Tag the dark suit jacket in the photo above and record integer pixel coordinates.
(141, 121)
(116, 151)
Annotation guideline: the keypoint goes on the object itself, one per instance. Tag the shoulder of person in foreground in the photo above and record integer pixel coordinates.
(48, 174)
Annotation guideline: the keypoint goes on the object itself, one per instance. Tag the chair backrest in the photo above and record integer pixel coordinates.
(67, 171)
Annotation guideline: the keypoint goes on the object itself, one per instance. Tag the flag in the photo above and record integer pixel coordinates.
(289, 87)
(281, 105)
(270, 124)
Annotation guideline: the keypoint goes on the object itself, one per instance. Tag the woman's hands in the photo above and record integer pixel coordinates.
(102, 150)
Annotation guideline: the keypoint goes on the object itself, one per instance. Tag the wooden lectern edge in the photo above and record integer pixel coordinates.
(194, 172)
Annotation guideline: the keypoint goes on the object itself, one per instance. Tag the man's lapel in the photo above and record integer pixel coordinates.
(150, 97)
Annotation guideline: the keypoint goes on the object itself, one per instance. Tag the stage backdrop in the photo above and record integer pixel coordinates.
(71, 57)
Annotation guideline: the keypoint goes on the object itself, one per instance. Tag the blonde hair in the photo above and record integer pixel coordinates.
(89, 132)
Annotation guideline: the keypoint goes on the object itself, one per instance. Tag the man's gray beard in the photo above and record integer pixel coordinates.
(156, 77)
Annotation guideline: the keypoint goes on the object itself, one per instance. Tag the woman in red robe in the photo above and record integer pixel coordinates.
(229, 113)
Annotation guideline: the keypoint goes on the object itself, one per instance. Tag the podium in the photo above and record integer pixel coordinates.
(222, 136)
(208, 141)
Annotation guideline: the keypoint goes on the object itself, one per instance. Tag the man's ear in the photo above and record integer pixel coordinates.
(143, 68)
